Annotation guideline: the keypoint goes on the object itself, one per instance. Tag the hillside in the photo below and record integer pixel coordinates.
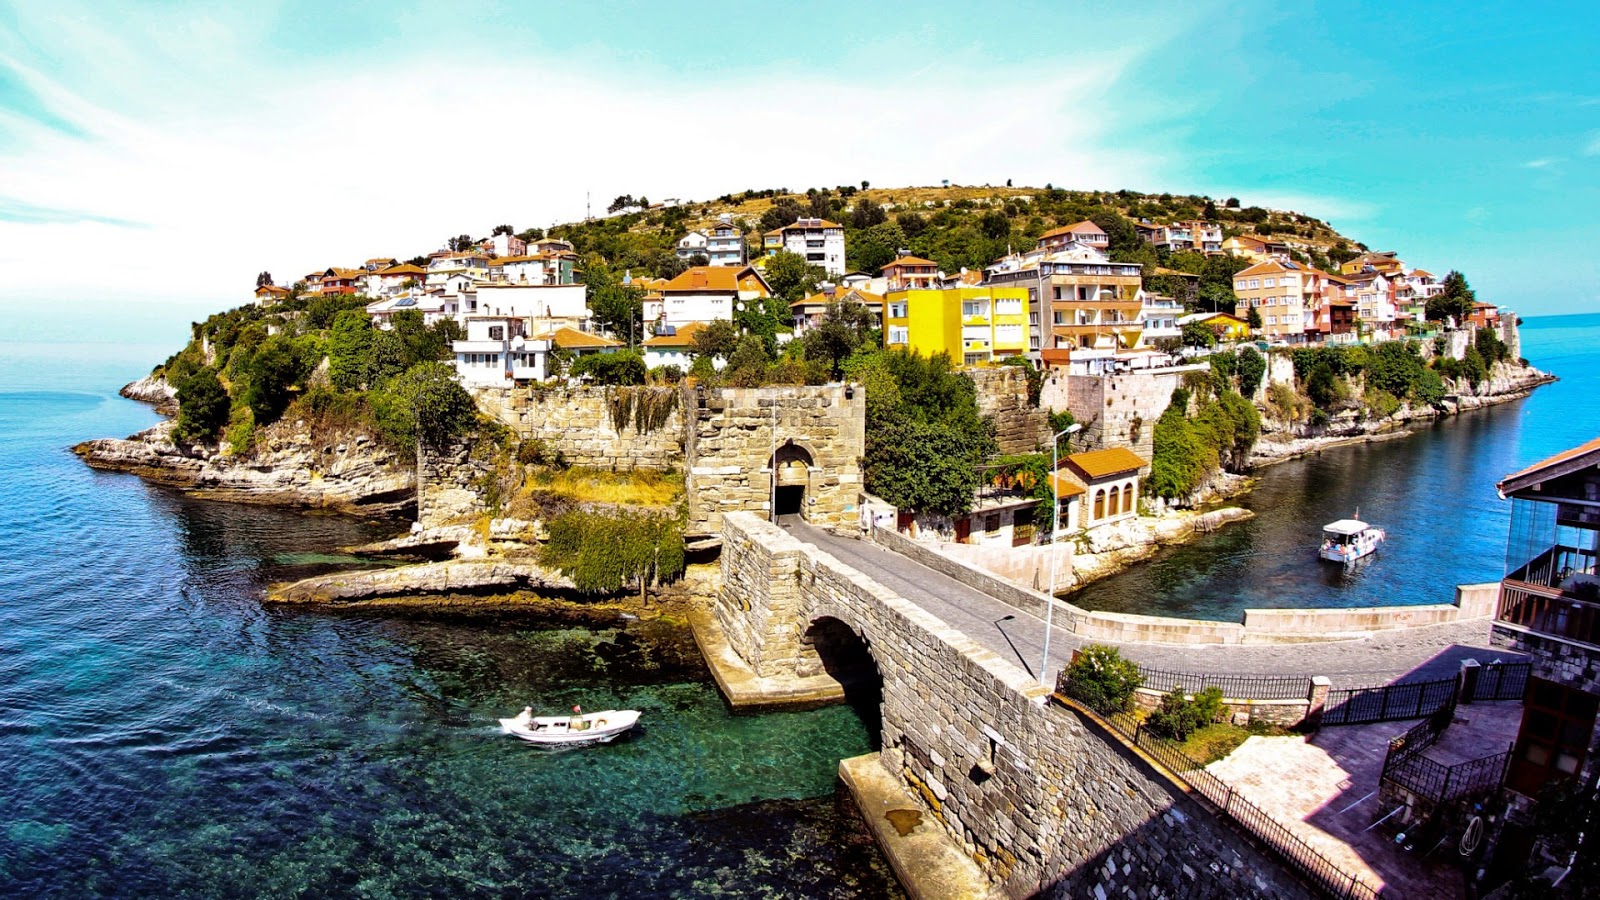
(957, 226)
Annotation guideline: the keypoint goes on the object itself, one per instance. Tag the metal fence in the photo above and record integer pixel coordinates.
(1234, 687)
(1318, 869)
(1502, 681)
(1387, 703)
(1438, 782)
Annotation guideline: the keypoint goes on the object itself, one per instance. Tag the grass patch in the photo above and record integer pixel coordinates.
(1215, 741)
(639, 488)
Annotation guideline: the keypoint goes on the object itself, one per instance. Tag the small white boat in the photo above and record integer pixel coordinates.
(1348, 540)
(578, 728)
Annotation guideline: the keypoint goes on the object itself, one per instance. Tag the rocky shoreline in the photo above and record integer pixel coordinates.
(1281, 442)
(349, 473)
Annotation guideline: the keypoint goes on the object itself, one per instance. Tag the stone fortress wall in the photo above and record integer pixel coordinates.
(1044, 805)
(578, 423)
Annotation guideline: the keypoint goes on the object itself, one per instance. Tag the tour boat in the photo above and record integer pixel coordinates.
(1348, 540)
(578, 728)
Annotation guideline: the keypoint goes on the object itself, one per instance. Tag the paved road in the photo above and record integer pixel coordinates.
(1410, 654)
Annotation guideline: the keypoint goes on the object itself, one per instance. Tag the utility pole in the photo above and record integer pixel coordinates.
(1055, 526)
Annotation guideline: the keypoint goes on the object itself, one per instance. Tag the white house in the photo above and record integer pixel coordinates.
(675, 348)
(540, 301)
(391, 280)
(434, 305)
(820, 241)
(704, 294)
(1160, 317)
(508, 245)
(692, 243)
(470, 263)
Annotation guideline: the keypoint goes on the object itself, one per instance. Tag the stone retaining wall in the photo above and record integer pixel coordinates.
(451, 481)
(1120, 410)
(1045, 806)
(1019, 426)
(577, 422)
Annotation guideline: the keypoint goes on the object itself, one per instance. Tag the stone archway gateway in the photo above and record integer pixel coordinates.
(791, 467)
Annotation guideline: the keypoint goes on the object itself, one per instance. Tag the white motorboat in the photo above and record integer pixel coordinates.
(578, 728)
(1348, 540)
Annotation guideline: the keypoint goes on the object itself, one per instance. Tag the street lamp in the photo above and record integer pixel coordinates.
(1055, 526)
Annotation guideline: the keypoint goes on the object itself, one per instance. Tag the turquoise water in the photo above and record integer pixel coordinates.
(1434, 493)
(163, 733)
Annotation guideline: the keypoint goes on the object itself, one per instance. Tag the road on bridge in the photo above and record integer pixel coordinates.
(1412, 654)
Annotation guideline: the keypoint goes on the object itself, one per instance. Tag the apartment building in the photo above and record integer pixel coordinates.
(1086, 233)
(1081, 300)
(704, 294)
(1197, 235)
(819, 241)
(1159, 316)
(1284, 293)
(974, 325)
(910, 272)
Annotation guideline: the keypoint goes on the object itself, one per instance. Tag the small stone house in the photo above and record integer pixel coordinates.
(1110, 481)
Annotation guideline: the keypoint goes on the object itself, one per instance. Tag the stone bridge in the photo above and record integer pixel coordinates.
(1039, 799)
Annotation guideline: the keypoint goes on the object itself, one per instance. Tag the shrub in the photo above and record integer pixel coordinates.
(603, 551)
(424, 404)
(1179, 716)
(1252, 366)
(1102, 680)
(203, 407)
(619, 368)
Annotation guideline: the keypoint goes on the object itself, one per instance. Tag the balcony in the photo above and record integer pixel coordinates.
(478, 346)
(1549, 611)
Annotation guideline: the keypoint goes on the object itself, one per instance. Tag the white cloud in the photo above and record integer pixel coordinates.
(1541, 163)
(293, 170)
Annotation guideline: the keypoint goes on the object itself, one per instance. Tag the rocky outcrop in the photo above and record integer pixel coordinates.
(440, 578)
(289, 466)
(154, 390)
(1281, 441)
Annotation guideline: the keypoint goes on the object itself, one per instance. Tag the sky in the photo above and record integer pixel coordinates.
(154, 157)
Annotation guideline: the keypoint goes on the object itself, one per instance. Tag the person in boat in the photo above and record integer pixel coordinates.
(578, 723)
(525, 717)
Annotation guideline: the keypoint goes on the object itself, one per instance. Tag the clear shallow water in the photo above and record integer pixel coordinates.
(165, 734)
(1433, 492)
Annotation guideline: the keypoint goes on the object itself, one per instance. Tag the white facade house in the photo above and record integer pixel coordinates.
(393, 280)
(434, 306)
(566, 302)
(725, 244)
(1160, 317)
(819, 241)
(472, 264)
(692, 243)
(704, 294)
(494, 348)
(508, 245)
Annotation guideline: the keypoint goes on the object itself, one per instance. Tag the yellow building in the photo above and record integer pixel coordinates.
(974, 325)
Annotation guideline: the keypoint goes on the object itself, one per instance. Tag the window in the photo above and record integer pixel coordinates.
(1127, 499)
(1111, 508)
(497, 332)
(1008, 334)
(974, 308)
(1099, 505)
(975, 333)
(1254, 283)
(1008, 307)
(898, 334)
(897, 310)
(1268, 282)
(991, 523)
(975, 359)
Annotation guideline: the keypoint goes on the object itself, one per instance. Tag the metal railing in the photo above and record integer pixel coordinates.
(1502, 681)
(1389, 702)
(1322, 872)
(1439, 783)
(1234, 687)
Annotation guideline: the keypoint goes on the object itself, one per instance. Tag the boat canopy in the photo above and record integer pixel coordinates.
(1346, 527)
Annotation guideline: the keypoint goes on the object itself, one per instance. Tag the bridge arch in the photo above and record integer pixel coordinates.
(832, 646)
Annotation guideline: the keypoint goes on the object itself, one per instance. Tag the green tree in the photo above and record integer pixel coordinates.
(270, 377)
(617, 308)
(1253, 319)
(1455, 301)
(842, 331)
(622, 367)
(1198, 334)
(349, 349)
(716, 340)
(1178, 716)
(425, 403)
(925, 438)
(791, 277)
(203, 407)
(1252, 367)
(747, 366)
(604, 551)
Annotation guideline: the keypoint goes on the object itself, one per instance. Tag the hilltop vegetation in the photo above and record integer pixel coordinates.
(246, 368)
(958, 227)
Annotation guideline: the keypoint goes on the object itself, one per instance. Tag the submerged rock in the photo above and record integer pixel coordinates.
(440, 578)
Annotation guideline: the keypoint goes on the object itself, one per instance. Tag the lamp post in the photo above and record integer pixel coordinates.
(1055, 526)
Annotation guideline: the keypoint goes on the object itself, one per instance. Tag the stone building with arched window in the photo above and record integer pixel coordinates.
(1110, 481)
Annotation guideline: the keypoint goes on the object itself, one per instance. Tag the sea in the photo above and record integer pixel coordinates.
(164, 733)
(1433, 492)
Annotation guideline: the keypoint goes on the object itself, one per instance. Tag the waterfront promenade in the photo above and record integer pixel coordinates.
(1407, 654)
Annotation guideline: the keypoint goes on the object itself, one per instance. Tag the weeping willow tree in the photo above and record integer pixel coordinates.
(604, 551)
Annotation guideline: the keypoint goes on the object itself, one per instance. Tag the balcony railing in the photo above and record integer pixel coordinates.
(1550, 611)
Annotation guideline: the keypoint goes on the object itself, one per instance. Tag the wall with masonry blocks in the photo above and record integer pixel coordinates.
(1107, 406)
(1570, 664)
(1019, 426)
(450, 481)
(1045, 806)
(577, 421)
(731, 445)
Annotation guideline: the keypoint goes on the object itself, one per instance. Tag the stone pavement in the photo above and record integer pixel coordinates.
(1410, 654)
